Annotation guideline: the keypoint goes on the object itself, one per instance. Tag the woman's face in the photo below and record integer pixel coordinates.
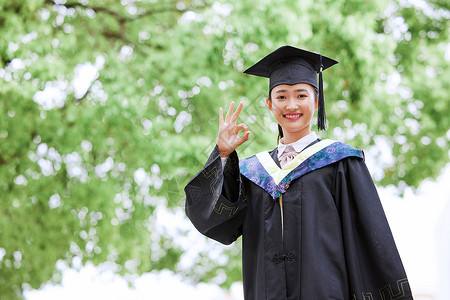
(293, 107)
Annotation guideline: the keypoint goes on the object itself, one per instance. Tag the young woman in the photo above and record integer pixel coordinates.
(308, 212)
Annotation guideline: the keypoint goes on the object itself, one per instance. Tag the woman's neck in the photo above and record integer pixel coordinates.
(291, 137)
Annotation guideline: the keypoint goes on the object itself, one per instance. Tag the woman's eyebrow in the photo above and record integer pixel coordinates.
(284, 91)
(280, 91)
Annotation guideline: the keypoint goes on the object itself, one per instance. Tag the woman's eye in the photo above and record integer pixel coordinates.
(302, 96)
(281, 97)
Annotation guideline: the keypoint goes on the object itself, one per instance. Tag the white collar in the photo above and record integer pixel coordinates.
(299, 145)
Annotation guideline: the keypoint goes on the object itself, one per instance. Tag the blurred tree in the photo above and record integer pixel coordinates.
(108, 108)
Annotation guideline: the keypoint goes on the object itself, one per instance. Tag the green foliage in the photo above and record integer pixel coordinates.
(81, 178)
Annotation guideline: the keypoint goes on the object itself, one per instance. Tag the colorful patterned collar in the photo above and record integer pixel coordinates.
(262, 170)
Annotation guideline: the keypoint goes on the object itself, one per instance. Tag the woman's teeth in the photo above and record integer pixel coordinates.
(295, 116)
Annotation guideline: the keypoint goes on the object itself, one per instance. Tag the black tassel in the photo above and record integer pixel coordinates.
(280, 133)
(321, 117)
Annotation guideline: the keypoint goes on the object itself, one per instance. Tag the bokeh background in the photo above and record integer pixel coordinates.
(108, 108)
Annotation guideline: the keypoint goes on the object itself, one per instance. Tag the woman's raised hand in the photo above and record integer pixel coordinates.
(229, 139)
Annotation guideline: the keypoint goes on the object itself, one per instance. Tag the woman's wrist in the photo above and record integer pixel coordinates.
(224, 154)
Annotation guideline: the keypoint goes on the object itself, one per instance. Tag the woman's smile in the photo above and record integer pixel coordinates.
(293, 116)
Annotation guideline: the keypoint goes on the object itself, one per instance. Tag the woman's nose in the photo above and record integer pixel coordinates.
(291, 104)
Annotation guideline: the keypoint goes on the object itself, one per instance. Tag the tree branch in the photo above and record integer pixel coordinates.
(122, 20)
(116, 15)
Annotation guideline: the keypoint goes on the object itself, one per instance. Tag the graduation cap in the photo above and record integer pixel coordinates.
(290, 65)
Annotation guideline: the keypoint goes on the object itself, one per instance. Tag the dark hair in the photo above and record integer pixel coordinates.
(280, 130)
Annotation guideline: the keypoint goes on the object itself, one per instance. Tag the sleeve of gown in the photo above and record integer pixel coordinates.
(215, 200)
(374, 267)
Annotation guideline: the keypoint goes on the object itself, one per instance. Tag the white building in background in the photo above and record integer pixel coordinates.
(443, 247)
(420, 223)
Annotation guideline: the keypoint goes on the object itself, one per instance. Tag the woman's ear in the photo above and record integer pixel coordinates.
(269, 103)
(317, 103)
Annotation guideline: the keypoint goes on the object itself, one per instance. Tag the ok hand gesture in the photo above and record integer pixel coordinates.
(228, 139)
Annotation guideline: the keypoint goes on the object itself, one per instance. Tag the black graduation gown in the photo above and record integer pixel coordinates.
(336, 242)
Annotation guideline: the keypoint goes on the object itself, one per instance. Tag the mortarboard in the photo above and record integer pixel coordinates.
(290, 65)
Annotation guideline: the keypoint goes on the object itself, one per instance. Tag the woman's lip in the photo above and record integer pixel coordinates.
(292, 116)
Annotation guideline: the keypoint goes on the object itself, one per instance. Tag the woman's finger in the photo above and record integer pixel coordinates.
(244, 137)
(241, 127)
(230, 112)
(220, 116)
(237, 112)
